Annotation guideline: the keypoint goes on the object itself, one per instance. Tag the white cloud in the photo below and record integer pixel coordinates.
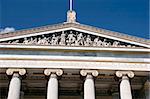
(7, 29)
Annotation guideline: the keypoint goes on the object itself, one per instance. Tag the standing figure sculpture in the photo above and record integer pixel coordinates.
(95, 42)
(26, 41)
(62, 39)
(44, 41)
(71, 39)
(88, 41)
(32, 41)
(79, 40)
(54, 40)
(39, 40)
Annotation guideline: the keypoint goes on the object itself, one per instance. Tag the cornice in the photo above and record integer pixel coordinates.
(78, 26)
(72, 48)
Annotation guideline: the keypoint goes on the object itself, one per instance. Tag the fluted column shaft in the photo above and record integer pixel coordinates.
(89, 89)
(115, 95)
(15, 83)
(52, 91)
(14, 87)
(147, 89)
(125, 88)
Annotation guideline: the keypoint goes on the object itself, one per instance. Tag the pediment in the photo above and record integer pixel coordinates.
(70, 36)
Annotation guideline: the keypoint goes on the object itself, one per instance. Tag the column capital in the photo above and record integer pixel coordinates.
(130, 74)
(48, 72)
(11, 71)
(92, 72)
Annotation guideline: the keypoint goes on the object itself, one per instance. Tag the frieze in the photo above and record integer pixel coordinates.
(70, 38)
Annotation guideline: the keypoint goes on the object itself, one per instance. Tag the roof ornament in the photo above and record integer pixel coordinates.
(71, 15)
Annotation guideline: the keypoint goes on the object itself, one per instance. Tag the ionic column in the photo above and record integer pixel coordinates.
(125, 88)
(147, 89)
(89, 87)
(115, 95)
(15, 83)
(52, 89)
(21, 95)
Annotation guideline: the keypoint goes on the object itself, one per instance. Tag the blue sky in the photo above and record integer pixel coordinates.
(126, 16)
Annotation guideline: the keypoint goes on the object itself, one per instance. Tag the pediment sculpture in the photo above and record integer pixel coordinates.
(70, 38)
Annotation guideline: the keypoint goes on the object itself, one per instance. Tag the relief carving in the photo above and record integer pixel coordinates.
(62, 39)
(79, 40)
(70, 38)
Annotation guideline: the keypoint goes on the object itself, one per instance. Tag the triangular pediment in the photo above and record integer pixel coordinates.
(71, 35)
